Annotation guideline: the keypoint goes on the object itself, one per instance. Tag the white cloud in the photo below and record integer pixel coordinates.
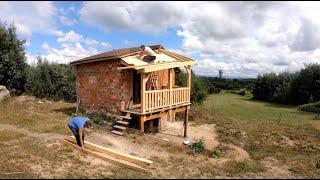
(73, 46)
(66, 21)
(244, 38)
(29, 17)
(105, 45)
(70, 37)
(91, 42)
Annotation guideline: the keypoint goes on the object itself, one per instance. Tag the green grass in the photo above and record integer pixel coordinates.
(240, 107)
(264, 129)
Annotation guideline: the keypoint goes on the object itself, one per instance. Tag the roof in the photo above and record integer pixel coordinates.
(114, 54)
(128, 56)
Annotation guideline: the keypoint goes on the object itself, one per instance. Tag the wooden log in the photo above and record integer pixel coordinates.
(106, 157)
(119, 155)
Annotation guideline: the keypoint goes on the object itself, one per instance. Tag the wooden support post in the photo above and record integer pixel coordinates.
(186, 122)
(141, 123)
(170, 86)
(143, 92)
(189, 81)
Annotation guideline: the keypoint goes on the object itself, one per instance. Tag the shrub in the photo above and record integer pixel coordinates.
(311, 107)
(318, 164)
(297, 88)
(215, 153)
(97, 118)
(198, 147)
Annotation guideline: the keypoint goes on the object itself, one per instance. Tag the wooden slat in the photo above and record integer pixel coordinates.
(123, 156)
(106, 157)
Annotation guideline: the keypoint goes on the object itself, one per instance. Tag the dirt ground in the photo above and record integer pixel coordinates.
(45, 157)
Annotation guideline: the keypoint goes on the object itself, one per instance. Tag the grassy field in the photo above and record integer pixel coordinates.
(265, 130)
(29, 130)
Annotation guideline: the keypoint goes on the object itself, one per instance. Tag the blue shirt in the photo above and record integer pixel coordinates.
(78, 122)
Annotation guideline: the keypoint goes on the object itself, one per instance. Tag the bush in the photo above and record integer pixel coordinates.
(198, 147)
(311, 107)
(298, 88)
(97, 118)
(318, 164)
(215, 153)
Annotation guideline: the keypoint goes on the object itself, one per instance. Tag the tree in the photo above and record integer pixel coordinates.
(199, 90)
(51, 80)
(12, 59)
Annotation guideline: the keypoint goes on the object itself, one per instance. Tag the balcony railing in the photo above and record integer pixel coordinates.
(156, 99)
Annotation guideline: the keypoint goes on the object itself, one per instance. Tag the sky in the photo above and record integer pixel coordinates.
(244, 39)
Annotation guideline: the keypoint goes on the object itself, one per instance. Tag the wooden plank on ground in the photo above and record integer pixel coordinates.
(105, 157)
(123, 156)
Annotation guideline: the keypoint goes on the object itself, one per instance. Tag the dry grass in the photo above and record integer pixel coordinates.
(258, 127)
(29, 130)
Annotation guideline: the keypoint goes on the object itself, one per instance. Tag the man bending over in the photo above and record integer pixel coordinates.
(147, 54)
(77, 125)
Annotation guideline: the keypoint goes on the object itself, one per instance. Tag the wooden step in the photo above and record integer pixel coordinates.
(120, 127)
(123, 117)
(117, 132)
(123, 122)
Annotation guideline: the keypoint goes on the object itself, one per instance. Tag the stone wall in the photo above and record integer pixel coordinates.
(101, 86)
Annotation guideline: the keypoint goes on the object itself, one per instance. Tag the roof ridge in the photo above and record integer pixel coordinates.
(115, 53)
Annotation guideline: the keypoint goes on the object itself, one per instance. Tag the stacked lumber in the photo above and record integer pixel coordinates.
(109, 155)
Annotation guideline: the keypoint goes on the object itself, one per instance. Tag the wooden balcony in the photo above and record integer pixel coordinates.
(157, 99)
(153, 101)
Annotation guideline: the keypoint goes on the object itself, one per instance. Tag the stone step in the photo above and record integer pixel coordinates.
(123, 122)
(117, 132)
(120, 127)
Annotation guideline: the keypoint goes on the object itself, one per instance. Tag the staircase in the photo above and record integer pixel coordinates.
(121, 124)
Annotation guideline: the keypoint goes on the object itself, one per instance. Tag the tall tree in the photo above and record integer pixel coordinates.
(12, 59)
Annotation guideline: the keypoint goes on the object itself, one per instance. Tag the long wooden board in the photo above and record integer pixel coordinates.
(106, 157)
(118, 155)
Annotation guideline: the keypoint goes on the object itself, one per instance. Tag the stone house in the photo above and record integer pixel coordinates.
(136, 92)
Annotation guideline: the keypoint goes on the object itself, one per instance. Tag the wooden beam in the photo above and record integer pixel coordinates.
(186, 122)
(157, 67)
(157, 115)
(143, 90)
(189, 82)
(126, 67)
(179, 109)
(171, 86)
(118, 155)
(106, 157)
(175, 54)
(141, 123)
(158, 110)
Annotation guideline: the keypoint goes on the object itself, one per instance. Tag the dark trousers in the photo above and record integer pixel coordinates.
(149, 58)
(77, 136)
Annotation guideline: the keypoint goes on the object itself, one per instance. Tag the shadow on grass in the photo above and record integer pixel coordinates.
(68, 111)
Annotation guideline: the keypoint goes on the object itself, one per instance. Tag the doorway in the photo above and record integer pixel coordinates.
(136, 87)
